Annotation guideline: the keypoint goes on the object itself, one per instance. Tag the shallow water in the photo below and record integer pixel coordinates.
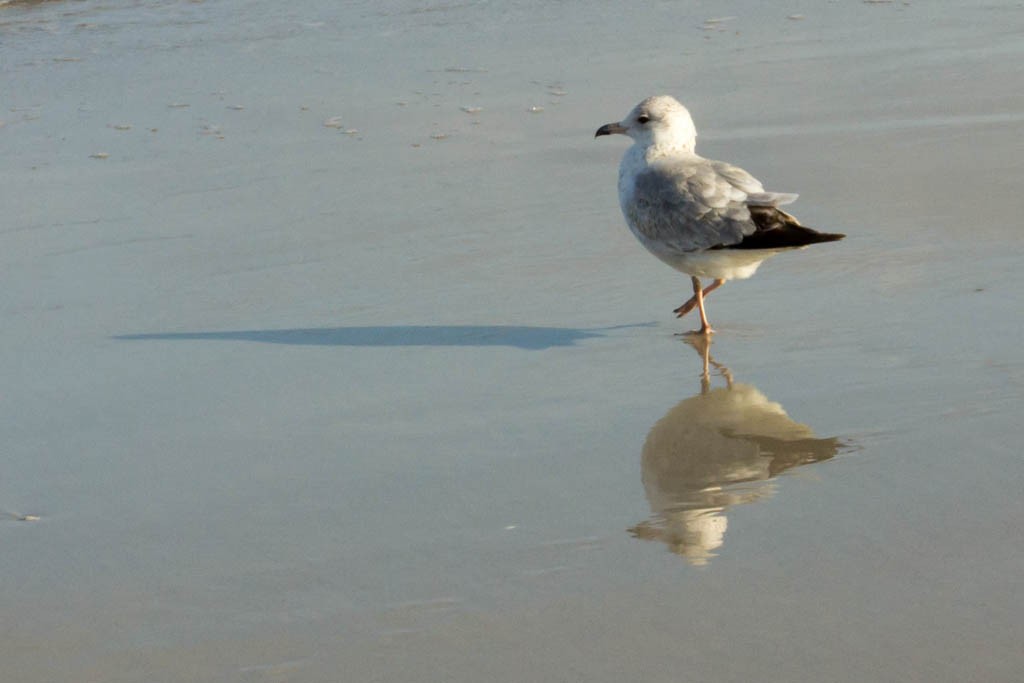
(329, 356)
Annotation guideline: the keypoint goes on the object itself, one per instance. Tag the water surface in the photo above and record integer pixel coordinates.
(328, 355)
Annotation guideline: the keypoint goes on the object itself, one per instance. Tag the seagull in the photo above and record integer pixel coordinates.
(704, 218)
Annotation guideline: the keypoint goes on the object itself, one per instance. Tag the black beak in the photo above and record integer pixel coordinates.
(609, 128)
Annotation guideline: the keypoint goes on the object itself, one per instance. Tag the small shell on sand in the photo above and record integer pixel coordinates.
(99, 155)
(178, 105)
(121, 126)
(27, 518)
(472, 110)
(535, 109)
(333, 122)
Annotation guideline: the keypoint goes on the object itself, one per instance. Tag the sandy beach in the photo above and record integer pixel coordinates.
(328, 355)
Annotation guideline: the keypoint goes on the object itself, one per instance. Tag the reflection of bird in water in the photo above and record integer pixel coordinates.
(719, 448)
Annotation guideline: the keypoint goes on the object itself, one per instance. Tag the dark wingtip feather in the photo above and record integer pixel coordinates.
(816, 236)
(776, 229)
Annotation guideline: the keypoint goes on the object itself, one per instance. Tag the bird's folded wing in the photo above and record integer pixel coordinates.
(736, 176)
(771, 198)
(756, 195)
(692, 205)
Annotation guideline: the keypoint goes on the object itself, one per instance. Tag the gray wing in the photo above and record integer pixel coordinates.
(692, 204)
(756, 196)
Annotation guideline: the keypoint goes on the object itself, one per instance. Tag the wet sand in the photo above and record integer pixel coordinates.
(329, 356)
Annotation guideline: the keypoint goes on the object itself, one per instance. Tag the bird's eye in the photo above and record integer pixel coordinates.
(643, 119)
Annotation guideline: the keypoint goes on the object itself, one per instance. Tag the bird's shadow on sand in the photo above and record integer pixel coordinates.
(521, 337)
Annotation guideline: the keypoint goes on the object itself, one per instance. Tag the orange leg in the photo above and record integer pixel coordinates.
(698, 294)
(692, 301)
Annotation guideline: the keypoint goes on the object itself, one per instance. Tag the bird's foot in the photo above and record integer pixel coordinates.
(686, 308)
(704, 331)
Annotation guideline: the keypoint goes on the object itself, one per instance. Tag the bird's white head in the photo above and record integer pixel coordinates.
(659, 122)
